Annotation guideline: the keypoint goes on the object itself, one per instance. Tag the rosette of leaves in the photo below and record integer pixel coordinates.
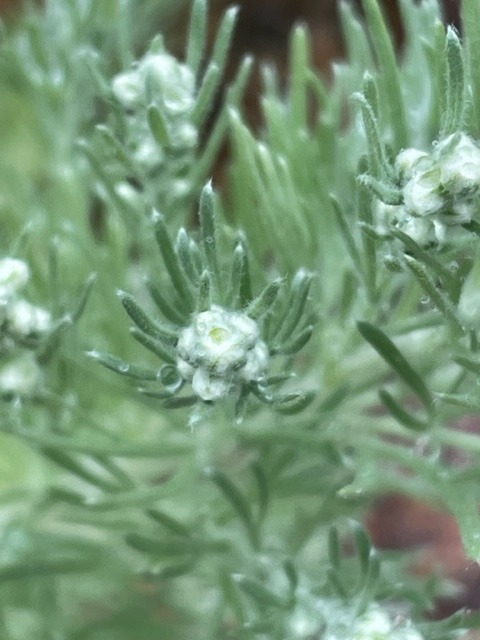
(214, 332)
(158, 108)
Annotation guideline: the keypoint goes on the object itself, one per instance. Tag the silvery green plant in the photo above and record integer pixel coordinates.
(158, 109)
(215, 332)
(306, 344)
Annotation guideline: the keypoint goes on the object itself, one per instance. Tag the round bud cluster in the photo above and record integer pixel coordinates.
(163, 76)
(161, 79)
(376, 624)
(20, 320)
(219, 350)
(20, 376)
(331, 619)
(440, 189)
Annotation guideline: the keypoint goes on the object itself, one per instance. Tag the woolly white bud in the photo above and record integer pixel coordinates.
(459, 161)
(419, 229)
(127, 87)
(14, 274)
(376, 624)
(21, 376)
(209, 387)
(220, 348)
(173, 81)
(24, 319)
(408, 162)
(421, 194)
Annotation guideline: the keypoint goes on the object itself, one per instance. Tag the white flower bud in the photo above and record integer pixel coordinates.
(220, 348)
(14, 274)
(128, 88)
(459, 161)
(407, 163)
(421, 194)
(419, 229)
(175, 81)
(461, 212)
(162, 73)
(185, 136)
(256, 364)
(387, 215)
(130, 195)
(21, 376)
(147, 153)
(24, 319)
(209, 387)
(469, 303)
(376, 624)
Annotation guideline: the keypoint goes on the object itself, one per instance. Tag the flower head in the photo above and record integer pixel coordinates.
(215, 335)
(24, 320)
(421, 194)
(20, 320)
(169, 80)
(20, 376)
(14, 274)
(459, 161)
(219, 349)
(441, 188)
(376, 624)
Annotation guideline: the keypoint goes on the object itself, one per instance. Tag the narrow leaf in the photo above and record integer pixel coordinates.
(259, 593)
(346, 231)
(453, 118)
(262, 487)
(180, 402)
(295, 343)
(123, 368)
(292, 403)
(83, 297)
(46, 567)
(142, 319)
(197, 35)
(471, 27)
(208, 232)
(185, 249)
(334, 552)
(158, 126)
(399, 413)
(172, 524)
(386, 60)
(438, 297)
(171, 313)
(160, 348)
(264, 301)
(206, 95)
(51, 342)
(77, 468)
(172, 262)
(224, 37)
(466, 401)
(389, 352)
(238, 501)
(448, 279)
(296, 306)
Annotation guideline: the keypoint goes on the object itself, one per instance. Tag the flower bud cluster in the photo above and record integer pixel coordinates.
(21, 322)
(440, 189)
(161, 79)
(332, 620)
(22, 325)
(376, 624)
(219, 350)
